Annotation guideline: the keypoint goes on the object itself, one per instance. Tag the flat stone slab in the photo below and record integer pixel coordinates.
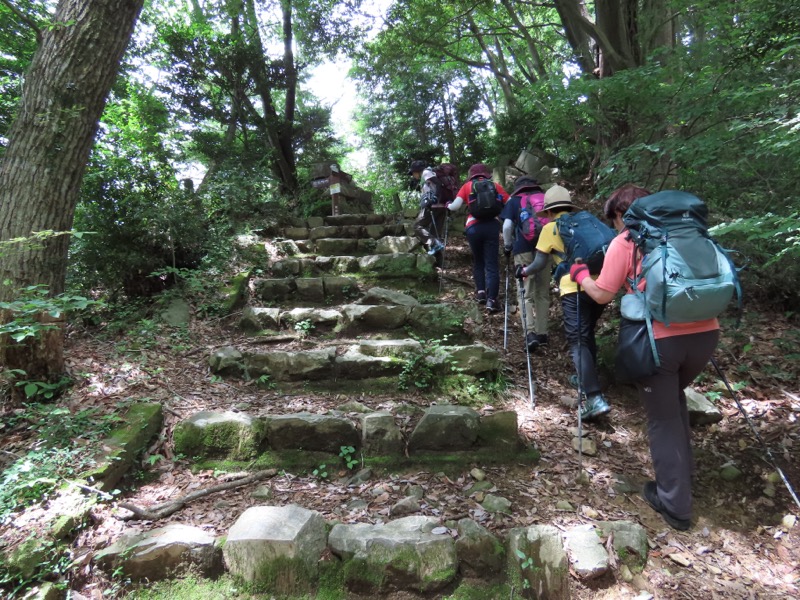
(380, 435)
(404, 554)
(232, 435)
(479, 551)
(291, 366)
(701, 410)
(401, 244)
(142, 421)
(445, 427)
(255, 318)
(358, 219)
(381, 317)
(305, 431)
(276, 547)
(586, 552)
(536, 554)
(336, 246)
(163, 553)
(628, 537)
(379, 295)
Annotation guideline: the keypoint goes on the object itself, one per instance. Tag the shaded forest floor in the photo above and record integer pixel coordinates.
(739, 546)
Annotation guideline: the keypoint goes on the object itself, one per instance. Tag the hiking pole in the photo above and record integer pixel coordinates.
(525, 340)
(505, 324)
(441, 270)
(735, 397)
(580, 384)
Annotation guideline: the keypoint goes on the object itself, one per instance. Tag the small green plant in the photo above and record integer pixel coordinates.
(418, 367)
(321, 472)
(348, 454)
(42, 389)
(304, 328)
(526, 562)
(265, 382)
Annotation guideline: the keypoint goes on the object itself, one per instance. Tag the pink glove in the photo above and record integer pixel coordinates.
(578, 272)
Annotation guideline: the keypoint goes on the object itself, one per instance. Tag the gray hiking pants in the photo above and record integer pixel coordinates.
(537, 294)
(683, 357)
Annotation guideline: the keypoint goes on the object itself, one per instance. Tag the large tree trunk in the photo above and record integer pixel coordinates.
(48, 148)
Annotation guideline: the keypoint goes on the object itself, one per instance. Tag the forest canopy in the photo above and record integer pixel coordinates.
(665, 93)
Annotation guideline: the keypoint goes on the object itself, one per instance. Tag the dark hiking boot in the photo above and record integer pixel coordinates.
(650, 494)
(480, 297)
(492, 306)
(534, 340)
(594, 407)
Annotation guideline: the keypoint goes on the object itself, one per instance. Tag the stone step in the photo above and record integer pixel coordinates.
(442, 427)
(373, 232)
(431, 321)
(276, 549)
(376, 266)
(388, 244)
(365, 360)
(312, 290)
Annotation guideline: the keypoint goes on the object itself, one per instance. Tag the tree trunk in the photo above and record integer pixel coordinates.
(49, 143)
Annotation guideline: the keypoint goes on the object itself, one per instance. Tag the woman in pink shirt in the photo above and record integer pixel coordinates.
(684, 349)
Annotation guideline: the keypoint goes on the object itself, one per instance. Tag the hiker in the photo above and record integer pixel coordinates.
(519, 216)
(485, 200)
(582, 344)
(683, 349)
(429, 225)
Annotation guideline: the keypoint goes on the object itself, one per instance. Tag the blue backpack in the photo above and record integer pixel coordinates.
(586, 238)
(688, 276)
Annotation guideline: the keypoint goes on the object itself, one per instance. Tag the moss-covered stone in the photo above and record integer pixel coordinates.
(25, 561)
(142, 422)
(230, 435)
(235, 294)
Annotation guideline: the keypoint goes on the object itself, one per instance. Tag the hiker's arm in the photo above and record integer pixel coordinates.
(540, 261)
(508, 232)
(579, 273)
(597, 294)
(455, 204)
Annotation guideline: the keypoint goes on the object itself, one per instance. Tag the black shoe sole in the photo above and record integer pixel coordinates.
(650, 494)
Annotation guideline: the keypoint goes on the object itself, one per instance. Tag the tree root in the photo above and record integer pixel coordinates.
(167, 508)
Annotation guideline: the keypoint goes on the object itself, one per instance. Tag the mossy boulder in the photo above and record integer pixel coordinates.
(404, 553)
(235, 436)
(276, 548)
(142, 421)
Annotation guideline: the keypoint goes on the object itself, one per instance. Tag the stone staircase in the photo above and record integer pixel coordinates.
(349, 290)
(351, 313)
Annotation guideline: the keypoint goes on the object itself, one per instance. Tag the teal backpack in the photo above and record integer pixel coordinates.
(689, 277)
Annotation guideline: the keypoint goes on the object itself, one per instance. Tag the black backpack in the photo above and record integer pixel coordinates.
(484, 200)
(585, 237)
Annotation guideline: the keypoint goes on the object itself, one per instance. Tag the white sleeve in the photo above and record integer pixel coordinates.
(508, 232)
(455, 204)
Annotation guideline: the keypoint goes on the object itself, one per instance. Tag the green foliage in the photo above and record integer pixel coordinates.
(418, 367)
(33, 301)
(66, 442)
(768, 246)
(304, 328)
(130, 199)
(48, 559)
(321, 472)
(348, 454)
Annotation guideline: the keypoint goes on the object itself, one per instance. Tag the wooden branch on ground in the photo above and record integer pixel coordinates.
(167, 508)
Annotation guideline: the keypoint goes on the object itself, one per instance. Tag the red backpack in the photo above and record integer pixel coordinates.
(447, 176)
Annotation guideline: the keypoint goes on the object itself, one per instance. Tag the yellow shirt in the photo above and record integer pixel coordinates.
(551, 243)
